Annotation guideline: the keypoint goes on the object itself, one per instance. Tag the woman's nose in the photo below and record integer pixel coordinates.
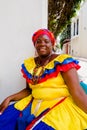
(42, 42)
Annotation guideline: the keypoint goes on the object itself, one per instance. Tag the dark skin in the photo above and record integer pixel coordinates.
(15, 97)
(78, 94)
(44, 47)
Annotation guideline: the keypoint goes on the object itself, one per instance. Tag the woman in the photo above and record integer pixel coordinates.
(53, 98)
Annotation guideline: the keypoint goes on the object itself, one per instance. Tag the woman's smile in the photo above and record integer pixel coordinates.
(43, 45)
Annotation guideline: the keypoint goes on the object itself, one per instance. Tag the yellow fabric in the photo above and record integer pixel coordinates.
(46, 94)
(20, 105)
(30, 64)
(66, 116)
(48, 90)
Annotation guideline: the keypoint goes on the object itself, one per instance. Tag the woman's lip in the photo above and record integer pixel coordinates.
(42, 49)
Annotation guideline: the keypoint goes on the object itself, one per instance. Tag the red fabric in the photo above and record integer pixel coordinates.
(26, 77)
(66, 67)
(59, 68)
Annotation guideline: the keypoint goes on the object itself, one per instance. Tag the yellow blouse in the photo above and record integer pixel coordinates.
(53, 85)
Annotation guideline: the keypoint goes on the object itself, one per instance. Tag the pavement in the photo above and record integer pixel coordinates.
(83, 70)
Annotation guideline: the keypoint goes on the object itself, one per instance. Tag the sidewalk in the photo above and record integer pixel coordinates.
(83, 70)
(81, 59)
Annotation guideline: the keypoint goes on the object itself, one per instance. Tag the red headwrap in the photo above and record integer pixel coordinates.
(42, 32)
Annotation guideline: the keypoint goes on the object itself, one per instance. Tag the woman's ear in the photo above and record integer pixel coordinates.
(36, 54)
(54, 48)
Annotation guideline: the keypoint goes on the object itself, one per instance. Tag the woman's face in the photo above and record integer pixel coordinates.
(43, 45)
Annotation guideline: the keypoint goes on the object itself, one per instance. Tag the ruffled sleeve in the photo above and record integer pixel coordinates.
(27, 69)
(61, 63)
(65, 62)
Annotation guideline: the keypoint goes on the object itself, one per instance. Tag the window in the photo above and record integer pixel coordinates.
(75, 27)
(77, 30)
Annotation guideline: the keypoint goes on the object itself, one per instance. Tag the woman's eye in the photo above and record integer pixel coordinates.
(38, 41)
(42, 41)
(47, 41)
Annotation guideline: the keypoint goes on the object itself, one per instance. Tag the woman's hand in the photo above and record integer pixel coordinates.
(15, 97)
(4, 105)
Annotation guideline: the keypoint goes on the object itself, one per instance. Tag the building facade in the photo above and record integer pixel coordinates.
(78, 42)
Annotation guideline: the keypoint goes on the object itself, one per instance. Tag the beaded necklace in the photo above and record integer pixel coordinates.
(39, 69)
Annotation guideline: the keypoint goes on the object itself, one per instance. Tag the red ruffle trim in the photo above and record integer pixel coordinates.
(26, 77)
(59, 68)
(66, 67)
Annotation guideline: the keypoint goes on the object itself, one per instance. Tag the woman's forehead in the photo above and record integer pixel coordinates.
(43, 36)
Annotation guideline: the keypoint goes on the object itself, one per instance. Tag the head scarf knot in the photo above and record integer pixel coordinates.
(43, 32)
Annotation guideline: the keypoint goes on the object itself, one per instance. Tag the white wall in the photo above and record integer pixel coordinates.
(18, 20)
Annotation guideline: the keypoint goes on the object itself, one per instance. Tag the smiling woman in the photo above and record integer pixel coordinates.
(43, 46)
(53, 98)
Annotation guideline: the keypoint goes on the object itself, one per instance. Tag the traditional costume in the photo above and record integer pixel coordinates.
(51, 105)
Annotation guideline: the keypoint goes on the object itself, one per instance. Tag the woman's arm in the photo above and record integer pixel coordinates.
(15, 97)
(72, 81)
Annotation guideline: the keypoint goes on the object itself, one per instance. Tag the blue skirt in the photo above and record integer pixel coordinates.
(8, 120)
(11, 120)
